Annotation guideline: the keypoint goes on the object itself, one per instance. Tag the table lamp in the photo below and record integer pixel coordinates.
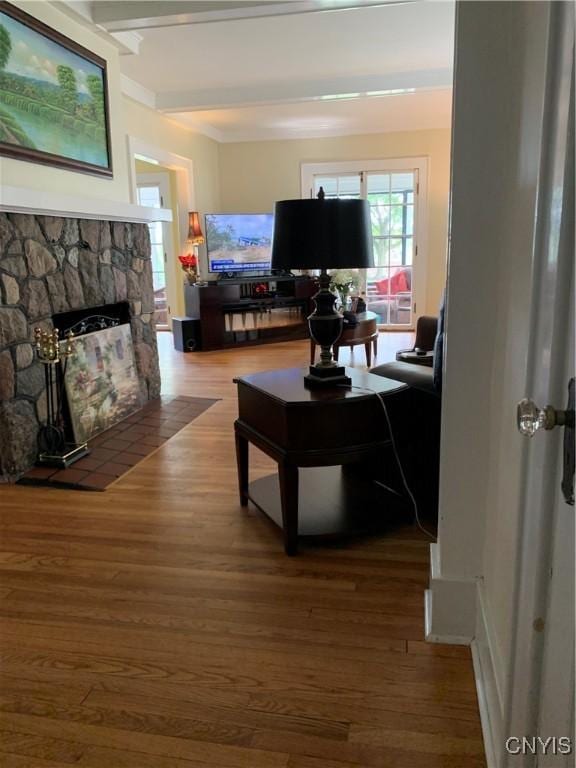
(323, 234)
(195, 235)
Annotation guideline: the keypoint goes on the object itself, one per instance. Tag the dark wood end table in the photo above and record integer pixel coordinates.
(315, 430)
(364, 332)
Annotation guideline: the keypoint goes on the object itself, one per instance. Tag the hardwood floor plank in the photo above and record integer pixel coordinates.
(427, 742)
(117, 551)
(32, 747)
(68, 693)
(393, 754)
(224, 755)
(439, 649)
(305, 761)
(425, 712)
(166, 575)
(29, 604)
(392, 602)
(22, 761)
(243, 718)
(193, 653)
(142, 720)
(310, 643)
(102, 757)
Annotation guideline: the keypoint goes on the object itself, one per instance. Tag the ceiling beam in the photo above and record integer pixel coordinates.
(149, 14)
(128, 43)
(310, 90)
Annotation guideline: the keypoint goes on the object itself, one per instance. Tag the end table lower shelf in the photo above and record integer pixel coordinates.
(333, 502)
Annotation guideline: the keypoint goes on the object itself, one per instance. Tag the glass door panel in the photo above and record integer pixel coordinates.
(389, 284)
(150, 196)
(391, 197)
(344, 185)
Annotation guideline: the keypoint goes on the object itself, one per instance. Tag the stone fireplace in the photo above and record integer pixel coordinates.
(52, 265)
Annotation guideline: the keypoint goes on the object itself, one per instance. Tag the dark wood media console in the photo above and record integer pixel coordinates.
(253, 310)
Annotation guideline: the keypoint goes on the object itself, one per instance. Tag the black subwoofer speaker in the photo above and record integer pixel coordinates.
(186, 331)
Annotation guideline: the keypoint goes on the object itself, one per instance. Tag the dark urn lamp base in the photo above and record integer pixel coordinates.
(325, 328)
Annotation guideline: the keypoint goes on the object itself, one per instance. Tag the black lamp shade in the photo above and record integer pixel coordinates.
(322, 234)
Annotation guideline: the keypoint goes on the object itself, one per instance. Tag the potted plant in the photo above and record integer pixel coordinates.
(189, 263)
(344, 281)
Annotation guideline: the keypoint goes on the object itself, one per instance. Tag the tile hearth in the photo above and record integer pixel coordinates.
(117, 450)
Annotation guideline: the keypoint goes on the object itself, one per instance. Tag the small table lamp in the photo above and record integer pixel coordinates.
(195, 235)
(323, 234)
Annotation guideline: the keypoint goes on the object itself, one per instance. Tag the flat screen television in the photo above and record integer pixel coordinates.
(239, 242)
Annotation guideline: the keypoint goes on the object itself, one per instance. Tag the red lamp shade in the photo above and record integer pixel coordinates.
(195, 235)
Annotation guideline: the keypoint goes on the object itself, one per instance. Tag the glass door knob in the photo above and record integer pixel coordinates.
(530, 418)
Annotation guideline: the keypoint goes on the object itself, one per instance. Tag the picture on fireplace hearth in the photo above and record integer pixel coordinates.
(53, 97)
(101, 381)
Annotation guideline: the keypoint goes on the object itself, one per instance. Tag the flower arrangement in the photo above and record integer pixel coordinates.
(344, 281)
(189, 264)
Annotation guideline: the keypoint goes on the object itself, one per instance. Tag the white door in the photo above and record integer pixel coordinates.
(154, 192)
(541, 693)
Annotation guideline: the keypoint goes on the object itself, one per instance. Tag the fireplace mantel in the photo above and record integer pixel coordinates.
(39, 203)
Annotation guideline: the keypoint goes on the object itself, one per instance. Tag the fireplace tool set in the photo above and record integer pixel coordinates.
(53, 353)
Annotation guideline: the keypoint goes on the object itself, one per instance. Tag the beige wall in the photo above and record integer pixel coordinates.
(253, 175)
(155, 129)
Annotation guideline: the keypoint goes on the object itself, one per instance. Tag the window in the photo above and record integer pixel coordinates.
(394, 189)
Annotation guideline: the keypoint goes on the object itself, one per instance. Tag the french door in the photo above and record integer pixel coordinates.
(395, 191)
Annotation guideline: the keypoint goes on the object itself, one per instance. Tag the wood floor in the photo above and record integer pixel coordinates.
(159, 625)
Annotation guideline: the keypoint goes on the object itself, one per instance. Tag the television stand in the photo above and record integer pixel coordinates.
(241, 277)
(251, 310)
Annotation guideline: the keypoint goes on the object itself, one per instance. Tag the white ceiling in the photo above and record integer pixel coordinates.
(413, 111)
(275, 75)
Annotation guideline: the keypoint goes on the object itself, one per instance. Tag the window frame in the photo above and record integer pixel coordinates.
(419, 165)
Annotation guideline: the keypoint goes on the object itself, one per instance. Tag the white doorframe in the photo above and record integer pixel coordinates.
(395, 164)
(184, 168)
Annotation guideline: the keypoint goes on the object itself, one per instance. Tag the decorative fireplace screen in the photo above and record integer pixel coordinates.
(101, 381)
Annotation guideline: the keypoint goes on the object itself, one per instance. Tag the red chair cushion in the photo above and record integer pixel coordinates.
(399, 283)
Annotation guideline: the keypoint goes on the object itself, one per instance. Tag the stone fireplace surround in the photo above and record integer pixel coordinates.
(50, 265)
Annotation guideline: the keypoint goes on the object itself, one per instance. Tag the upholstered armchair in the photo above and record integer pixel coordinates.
(422, 353)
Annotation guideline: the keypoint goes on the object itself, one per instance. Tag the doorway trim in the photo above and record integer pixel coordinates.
(184, 168)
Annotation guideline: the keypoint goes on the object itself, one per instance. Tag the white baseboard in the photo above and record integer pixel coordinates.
(488, 674)
(457, 613)
(435, 637)
(450, 606)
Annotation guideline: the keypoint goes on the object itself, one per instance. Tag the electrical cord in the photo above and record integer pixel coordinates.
(407, 488)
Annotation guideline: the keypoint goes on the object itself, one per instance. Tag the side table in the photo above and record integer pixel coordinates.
(314, 431)
(364, 332)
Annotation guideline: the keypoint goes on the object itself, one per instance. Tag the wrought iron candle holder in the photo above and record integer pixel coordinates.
(53, 353)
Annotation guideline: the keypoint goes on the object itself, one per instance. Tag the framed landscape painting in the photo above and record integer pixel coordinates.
(53, 97)
(101, 381)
